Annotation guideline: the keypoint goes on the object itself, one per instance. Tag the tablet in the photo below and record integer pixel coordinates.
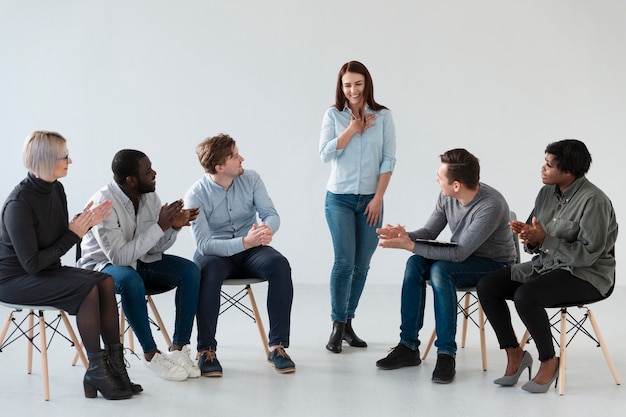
(436, 242)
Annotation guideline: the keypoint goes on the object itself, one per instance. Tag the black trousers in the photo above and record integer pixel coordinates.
(530, 299)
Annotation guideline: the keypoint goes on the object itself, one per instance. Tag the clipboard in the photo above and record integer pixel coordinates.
(435, 242)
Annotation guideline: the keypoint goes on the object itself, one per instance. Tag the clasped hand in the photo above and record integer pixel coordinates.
(394, 237)
(258, 236)
(529, 234)
(173, 215)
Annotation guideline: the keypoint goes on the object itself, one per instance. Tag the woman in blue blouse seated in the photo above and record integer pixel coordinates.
(571, 232)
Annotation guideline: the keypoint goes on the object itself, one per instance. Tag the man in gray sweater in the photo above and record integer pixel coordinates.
(481, 242)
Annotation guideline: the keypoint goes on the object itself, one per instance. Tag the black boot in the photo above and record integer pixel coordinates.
(351, 337)
(99, 377)
(118, 366)
(336, 337)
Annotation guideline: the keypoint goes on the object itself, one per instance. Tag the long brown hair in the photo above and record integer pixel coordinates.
(368, 91)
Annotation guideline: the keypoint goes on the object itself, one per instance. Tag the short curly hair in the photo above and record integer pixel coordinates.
(214, 151)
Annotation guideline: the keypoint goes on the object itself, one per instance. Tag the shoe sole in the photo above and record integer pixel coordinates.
(443, 381)
(212, 374)
(282, 371)
(398, 366)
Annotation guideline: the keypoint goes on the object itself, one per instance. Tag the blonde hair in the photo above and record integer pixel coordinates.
(41, 152)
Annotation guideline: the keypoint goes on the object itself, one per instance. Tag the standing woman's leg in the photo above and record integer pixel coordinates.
(340, 216)
(366, 243)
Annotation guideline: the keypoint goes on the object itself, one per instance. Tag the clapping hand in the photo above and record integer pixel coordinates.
(90, 217)
(185, 217)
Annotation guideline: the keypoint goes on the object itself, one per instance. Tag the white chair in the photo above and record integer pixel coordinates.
(468, 305)
(29, 333)
(236, 300)
(566, 325)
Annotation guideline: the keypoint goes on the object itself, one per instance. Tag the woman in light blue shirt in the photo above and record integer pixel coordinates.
(358, 138)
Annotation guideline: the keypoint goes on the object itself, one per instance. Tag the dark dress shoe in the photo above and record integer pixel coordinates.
(336, 337)
(351, 337)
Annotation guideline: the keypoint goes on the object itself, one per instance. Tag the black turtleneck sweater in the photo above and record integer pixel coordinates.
(34, 230)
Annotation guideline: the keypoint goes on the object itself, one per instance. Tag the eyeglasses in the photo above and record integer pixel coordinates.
(64, 158)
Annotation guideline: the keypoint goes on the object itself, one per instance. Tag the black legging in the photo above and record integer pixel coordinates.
(531, 299)
(97, 316)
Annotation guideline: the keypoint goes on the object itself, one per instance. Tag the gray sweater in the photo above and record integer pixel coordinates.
(480, 228)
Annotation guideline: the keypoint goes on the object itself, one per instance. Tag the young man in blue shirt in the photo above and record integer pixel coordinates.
(231, 243)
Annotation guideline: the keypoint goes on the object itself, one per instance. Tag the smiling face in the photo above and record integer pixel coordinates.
(146, 176)
(232, 165)
(353, 88)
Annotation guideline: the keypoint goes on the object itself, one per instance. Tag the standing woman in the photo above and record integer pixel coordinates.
(571, 233)
(34, 234)
(358, 138)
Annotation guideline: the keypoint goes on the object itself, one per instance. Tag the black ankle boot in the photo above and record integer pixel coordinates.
(118, 366)
(336, 337)
(351, 337)
(99, 377)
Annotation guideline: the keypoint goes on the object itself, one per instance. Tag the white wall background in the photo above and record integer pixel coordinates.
(500, 78)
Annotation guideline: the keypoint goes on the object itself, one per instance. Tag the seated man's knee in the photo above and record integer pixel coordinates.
(128, 282)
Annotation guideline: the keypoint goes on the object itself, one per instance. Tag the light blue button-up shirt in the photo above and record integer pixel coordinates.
(355, 169)
(226, 216)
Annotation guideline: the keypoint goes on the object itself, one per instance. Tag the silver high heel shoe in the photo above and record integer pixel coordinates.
(510, 380)
(535, 388)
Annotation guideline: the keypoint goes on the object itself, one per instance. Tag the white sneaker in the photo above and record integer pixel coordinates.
(183, 358)
(166, 368)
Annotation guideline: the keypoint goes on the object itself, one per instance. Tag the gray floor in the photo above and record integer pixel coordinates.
(326, 383)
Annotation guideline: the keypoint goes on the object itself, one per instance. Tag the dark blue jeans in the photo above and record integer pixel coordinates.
(354, 243)
(170, 272)
(445, 277)
(261, 262)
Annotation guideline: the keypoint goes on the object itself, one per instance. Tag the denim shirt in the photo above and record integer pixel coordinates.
(581, 230)
(355, 169)
(125, 237)
(226, 216)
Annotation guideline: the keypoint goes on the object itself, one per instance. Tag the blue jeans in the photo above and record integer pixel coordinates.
(170, 272)
(261, 262)
(445, 277)
(354, 243)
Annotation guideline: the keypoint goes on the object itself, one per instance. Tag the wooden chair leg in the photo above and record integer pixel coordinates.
(467, 299)
(524, 340)
(31, 334)
(159, 321)
(78, 345)
(605, 351)
(430, 343)
(483, 342)
(257, 318)
(5, 328)
(44, 356)
(122, 324)
(563, 351)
